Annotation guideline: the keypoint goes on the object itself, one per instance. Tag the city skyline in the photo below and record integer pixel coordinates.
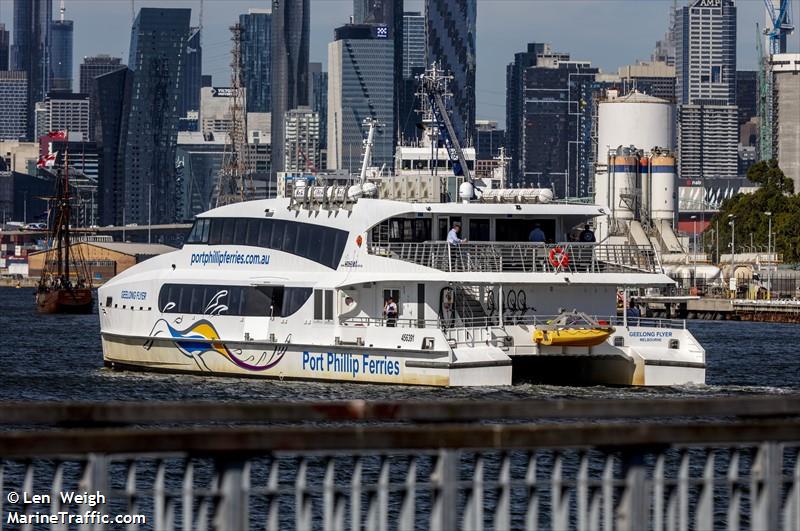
(544, 21)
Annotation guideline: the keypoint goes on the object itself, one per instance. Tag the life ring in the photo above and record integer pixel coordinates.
(559, 257)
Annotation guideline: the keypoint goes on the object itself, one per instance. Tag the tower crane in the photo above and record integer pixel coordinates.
(779, 26)
(779, 17)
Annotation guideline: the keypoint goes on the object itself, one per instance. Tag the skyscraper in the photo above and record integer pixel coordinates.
(302, 140)
(488, 139)
(13, 105)
(557, 147)
(360, 85)
(746, 95)
(413, 56)
(786, 82)
(31, 50)
(63, 111)
(96, 66)
(256, 58)
(192, 74)
(413, 42)
(318, 100)
(451, 41)
(61, 56)
(157, 55)
(111, 113)
(706, 90)
(515, 102)
(289, 51)
(4, 47)
(387, 14)
(90, 69)
(549, 107)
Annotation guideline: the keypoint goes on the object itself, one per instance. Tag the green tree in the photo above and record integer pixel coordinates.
(775, 194)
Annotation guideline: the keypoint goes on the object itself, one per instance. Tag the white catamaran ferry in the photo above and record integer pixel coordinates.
(286, 288)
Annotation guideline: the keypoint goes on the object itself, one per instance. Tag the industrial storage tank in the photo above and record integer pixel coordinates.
(622, 181)
(662, 189)
(635, 119)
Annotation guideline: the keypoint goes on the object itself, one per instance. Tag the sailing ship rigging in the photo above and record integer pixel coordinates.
(65, 285)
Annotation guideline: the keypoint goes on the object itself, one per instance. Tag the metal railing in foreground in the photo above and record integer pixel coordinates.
(598, 464)
(523, 257)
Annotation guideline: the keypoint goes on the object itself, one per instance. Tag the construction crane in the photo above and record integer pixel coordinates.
(779, 27)
(433, 87)
(764, 101)
(235, 182)
(780, 24)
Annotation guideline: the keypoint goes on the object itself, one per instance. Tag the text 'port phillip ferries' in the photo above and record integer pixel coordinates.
(370, 290)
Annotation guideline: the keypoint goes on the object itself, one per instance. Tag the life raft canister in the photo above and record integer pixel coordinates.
(559, 257)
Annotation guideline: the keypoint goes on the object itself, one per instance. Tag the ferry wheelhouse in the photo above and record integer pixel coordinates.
(297, 290)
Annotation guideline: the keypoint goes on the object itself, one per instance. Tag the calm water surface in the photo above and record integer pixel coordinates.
(59, 358)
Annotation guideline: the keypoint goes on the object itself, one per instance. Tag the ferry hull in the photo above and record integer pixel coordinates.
(477, 366)
(75, 301)
(298, 362)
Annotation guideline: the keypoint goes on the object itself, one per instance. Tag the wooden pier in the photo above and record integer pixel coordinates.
(694, 307)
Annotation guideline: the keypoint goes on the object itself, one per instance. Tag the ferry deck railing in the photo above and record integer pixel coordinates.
(490, 330)
(523, 257)
(510, 319)
(645, 464)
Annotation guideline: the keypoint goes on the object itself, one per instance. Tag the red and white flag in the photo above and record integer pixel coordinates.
(57, 135)
(47, 161)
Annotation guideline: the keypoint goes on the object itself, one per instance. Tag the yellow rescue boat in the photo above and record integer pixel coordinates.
(572, 329)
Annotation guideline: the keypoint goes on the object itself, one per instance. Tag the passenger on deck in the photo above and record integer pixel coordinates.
(537, 234)
(587, 236)
(391, 313)
(452, 236)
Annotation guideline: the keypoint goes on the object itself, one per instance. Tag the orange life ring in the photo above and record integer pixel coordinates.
(558, 257)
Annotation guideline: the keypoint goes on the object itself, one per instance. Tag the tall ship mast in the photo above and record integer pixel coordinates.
(65, 285)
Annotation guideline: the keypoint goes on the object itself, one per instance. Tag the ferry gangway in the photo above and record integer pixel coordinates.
(692, 463)
(524, 257)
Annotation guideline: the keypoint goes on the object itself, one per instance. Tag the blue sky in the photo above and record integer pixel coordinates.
(610, 33)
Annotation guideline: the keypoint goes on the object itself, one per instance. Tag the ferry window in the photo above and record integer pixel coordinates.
(240, 231)
(235, 302)
(395, 233)
(318, 305)
(290, 239)
(252, 232)
(197, 300)
(422, 230)
(255, 301)
(199, 232)
(259, 302)
(215, 233)
(227, 230)
(479, 230)
(294, 299)
(108, 301)
(314, 244)
(329, 305)
(265, 234)
(323, 245)
(278, 228)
